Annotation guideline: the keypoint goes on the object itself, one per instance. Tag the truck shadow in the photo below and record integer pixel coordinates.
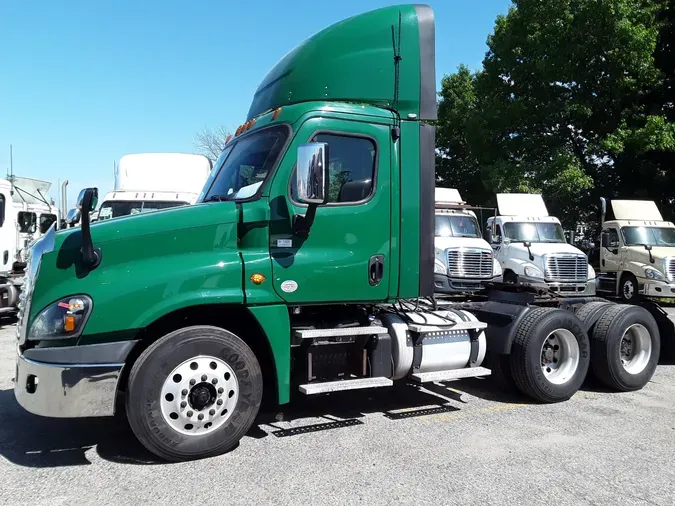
(32, 441)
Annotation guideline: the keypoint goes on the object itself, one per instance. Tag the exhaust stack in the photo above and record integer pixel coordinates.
(64, 199)
(603, 211)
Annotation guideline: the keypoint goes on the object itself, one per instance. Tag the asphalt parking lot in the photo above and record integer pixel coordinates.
(459, 443)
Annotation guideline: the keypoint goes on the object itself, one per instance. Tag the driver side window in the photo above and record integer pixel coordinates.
(611, 238)
(351, 168)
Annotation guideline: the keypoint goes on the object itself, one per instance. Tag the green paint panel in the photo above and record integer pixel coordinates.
(354, 60)
(275, 323)
(331, 264)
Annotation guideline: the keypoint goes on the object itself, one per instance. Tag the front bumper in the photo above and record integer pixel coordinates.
(564, 289)
(76, 381)
(657, 289)
(446, 284)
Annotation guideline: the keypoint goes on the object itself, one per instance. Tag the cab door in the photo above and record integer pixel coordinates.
(346, 254)
(610, 250)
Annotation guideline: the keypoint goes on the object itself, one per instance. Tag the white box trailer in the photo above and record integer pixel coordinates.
(151, 181)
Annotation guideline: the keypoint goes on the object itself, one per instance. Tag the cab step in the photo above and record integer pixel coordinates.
(340, 332)
(338, 386)
(453, 374)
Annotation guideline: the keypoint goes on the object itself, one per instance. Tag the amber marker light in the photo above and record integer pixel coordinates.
(69, 323)
(276, 113)
(257, 279)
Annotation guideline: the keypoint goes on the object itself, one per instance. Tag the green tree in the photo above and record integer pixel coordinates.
(570, 102)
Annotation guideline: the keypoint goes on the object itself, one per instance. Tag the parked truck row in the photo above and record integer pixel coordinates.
(311, 263)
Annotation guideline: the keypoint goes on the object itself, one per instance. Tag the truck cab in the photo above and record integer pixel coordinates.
(463, 259)
(146, 182)
(637, 251)
(26, 214)
(530, 246)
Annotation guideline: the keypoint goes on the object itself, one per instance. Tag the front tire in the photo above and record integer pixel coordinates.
(628, 288)
(550, 355)
(625, 347)
(194, 393)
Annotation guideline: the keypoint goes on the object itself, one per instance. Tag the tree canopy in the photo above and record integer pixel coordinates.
(574, 100)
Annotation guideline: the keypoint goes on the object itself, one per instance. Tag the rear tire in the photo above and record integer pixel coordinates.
(625, 347)
(194, 393)
(550, 355)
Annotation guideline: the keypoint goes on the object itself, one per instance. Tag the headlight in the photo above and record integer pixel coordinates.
(63, 319)
(652, 273)
(439, 268)
(533, 272)
(496, 268)
(591, 272)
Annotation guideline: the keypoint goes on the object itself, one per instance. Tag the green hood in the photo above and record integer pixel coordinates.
(150, 265)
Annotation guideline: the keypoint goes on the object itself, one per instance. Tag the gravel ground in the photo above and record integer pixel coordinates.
(463, 443)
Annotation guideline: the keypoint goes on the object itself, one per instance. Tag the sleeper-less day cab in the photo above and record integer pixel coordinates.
(305, 265)
(464, 261)
(530, 246)
(637, 251)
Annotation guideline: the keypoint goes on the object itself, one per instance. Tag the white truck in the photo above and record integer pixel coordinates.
(637, 251)
(26, 213)
(530, 246)
(464, 260)
(151, 181)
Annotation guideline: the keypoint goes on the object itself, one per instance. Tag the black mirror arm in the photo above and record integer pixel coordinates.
(303, 223)
(90, 256)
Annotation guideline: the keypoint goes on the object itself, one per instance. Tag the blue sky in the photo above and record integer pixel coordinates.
(84, 82)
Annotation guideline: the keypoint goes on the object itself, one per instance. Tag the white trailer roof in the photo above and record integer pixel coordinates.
(644, 210)
(521, 204)
(448, 195)
(171, 172)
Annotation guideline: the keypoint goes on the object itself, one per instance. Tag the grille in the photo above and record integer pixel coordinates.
(569, 267)
(669, 264)
(467, 263)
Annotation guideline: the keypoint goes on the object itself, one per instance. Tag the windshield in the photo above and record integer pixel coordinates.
(456, 226)
(241, 169)
(117, 208)
(534, 232)
(654, 236)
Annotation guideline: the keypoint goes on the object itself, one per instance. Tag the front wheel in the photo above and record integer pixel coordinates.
(628, 288)
(550, 355)
(194, 393)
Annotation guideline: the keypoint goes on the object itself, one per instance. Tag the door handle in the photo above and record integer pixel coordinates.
(375, 269)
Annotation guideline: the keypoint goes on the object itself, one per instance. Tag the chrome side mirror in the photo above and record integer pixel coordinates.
(312, 173)
(73, 217)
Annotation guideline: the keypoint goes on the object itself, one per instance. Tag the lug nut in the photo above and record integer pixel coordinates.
(221, 390)
(201, 416)
(204, 377)
(192, 382)
(219, 402)
(190, 413)
(214, 380)
(183, 404)
(212, 412)
(184, 392)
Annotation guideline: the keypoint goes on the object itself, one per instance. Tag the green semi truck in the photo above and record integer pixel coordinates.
(306, 266)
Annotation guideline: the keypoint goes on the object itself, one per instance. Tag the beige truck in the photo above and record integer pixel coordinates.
(637, 251)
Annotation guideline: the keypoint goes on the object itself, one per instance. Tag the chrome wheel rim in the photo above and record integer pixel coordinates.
(560, 356)
(635, 348)
(199, 395)
(628, 289)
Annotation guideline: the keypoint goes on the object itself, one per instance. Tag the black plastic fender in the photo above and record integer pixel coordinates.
(502, 319)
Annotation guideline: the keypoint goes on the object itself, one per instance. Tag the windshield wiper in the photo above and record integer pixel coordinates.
(216, 198)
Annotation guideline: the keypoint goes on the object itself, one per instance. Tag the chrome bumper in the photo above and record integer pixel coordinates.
(573, 289)
(66, 390)
(656, 289)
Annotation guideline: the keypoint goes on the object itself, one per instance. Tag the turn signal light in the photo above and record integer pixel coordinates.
(69, 323)
(257, 279)
(228, 138)
(276, 113)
